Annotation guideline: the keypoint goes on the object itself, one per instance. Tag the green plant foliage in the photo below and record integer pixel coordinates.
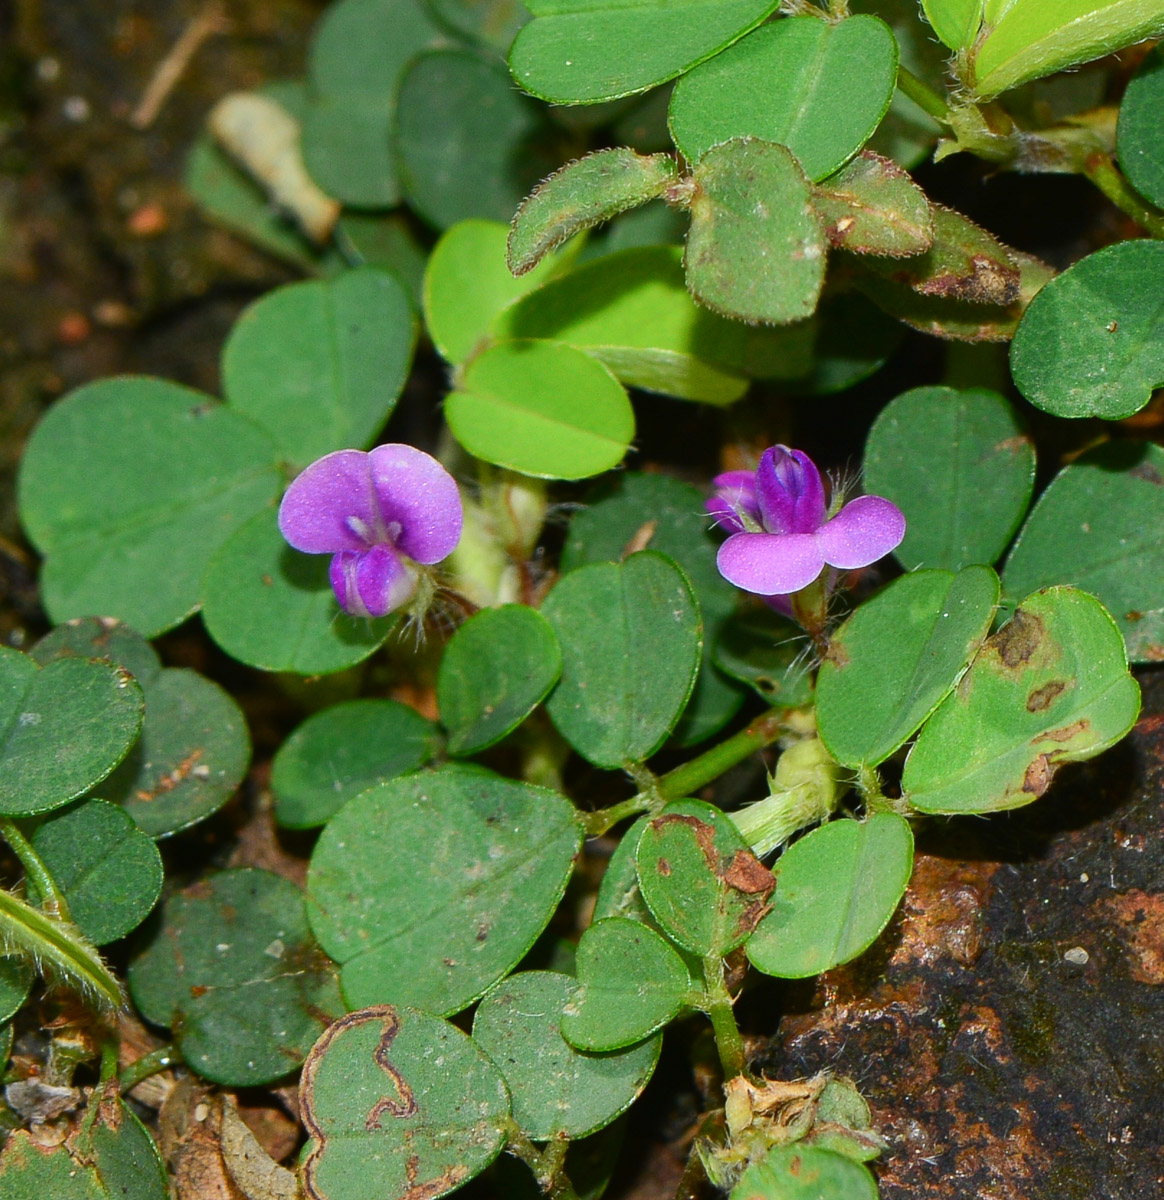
(590, 1163)
(556, 1091)
(468, 144)
(1097, 526)
(111, 1158)
(476, 865)
(618, 893)
(631, 639)
(358, 53)
(836, 890)
(891, 663)
(339, 752)
(1092, 341)
(541, 408)
(613, 519)
(819, 88)
(387, 241)
(63, 728)
(1140, 137)
(233, 970)
(630, 984)
(136, 547)
(954, 21)
(15, 979)
(581, 195)
(109, 871)
(766, 651)
(402, 1097)
(320, 365)
(272, 607)
(959, 466)
(750, 193)
(582, 51)
(467, 285)
(495, 670)
(703, 885)
(492, 22)
(805, 1173)
(871, 206)
(194, 748)
(1052, 686)
(1024, 41)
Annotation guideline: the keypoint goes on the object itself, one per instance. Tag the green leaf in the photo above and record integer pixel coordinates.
(631, 639)
(557, 1091)
(1023, 41)
(475, 864)
(1092, 341)
(320, 365)
(108, 869)
(767, 652)
(135, 542)
(339, 752)
(387, 241)
(852, 339)
(800, 1172)
(234, 972)
(358, 52)
(492, 22)
(272, 607)
(15, 980)
(700, 880)
(632, 311)
(112, 1159)
(468, 143)
(1098, 527)
(194, 748)
(960, 467)
(1139, 135)
(401, 1097)
(871, 206)
(891, 663)
(583, 194)
(817, 87)
(63, 728)
(495, 670)
(229, 197)
(1052, 686)
(467, 285)
(836, 890)
(954, 21)
(630, 984)
(541, 408)
(750, 193)
(582, 51)
(590, 1163)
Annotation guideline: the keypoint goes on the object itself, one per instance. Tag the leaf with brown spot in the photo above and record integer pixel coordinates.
(1052, 686)
(872, 206)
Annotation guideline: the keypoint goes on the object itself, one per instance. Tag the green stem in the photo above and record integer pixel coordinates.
(35, 871)
(728, 1039)
(57, 947)
(1100, 169)
(142, 1068)
(923, 95)
(546, 1165)
(693, 775)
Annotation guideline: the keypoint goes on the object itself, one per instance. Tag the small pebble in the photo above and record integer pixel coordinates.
(1077, 956)
(77, 109)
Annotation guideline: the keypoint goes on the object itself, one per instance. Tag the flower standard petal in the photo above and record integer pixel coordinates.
(770, 564)
(419, 503)
(865, 530)
(735, 497)
(371, 583)
(330, 506)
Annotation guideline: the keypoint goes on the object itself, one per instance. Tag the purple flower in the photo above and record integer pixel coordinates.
(379, 514)
(781, 535)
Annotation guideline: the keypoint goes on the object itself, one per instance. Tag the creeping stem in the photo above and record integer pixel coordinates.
(35, 871)
(922, 95)
(728, 1039)
(142, 1068)
(547, 1165)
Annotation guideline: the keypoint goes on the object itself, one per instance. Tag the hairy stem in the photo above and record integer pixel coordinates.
(142, 1068)
(547, 1165)
(728, 1039)
(922, 95)
(37, 874)
(1099, 168)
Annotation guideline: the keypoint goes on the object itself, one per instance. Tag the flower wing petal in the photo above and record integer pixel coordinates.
(330, 506)
(865, 530)
(371, 583)
(417, 494)
(770, 564)
(735, 493)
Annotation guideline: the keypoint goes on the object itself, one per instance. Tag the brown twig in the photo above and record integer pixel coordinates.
(211, 20)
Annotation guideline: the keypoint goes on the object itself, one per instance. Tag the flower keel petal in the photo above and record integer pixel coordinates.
(371, 583)
(865, 530)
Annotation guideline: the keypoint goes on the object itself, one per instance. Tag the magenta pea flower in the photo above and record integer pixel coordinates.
(379, 514)
(782, 537)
